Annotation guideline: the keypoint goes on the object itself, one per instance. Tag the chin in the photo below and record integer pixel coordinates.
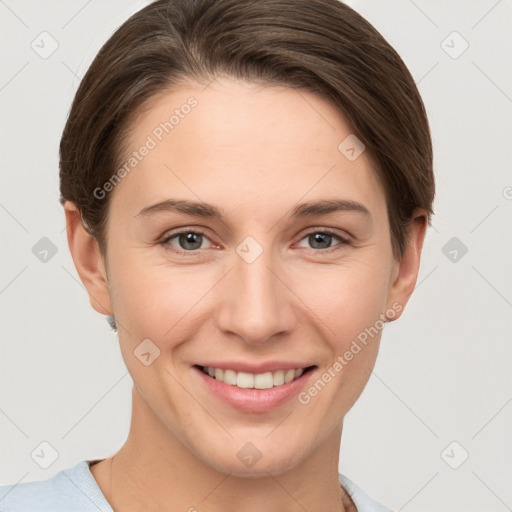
(246, 460)
(263, 468)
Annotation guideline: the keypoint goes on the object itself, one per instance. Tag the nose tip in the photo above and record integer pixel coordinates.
(256, 305)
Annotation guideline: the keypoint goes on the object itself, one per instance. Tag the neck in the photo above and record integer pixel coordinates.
(154, 471)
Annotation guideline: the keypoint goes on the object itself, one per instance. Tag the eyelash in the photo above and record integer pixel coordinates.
(342, 240)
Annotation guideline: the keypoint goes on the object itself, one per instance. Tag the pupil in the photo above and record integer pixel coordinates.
(187, 241)
(320, 238)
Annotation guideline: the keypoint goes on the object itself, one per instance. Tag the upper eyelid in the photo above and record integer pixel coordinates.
(180, 231)
(343, 239)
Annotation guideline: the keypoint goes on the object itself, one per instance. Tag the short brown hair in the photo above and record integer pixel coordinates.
(319, 46)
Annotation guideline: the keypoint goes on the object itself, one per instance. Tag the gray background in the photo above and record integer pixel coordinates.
(443, 374)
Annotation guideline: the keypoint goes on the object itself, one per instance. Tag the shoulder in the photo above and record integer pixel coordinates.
(362, 501)
(70, 490)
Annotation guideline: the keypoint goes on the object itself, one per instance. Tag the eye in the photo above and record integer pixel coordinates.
(189, 241)
(321, 240)
(186, 240)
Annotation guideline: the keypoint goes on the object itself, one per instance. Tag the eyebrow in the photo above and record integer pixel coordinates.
(206, 210)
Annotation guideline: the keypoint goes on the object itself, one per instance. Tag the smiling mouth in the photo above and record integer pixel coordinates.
(246, 380)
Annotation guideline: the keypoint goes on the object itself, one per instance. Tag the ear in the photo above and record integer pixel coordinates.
(88, 260)
(405, 273)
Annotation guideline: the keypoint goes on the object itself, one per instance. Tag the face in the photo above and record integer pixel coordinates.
(288, 266)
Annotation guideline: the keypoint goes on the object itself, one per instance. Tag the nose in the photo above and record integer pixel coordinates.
(256, 304)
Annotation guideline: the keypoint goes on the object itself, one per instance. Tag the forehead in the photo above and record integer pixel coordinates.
(243, 144)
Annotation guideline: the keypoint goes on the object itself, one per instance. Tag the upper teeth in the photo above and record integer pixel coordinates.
(249, 380)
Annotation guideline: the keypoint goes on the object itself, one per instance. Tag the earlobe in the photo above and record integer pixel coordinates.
(406, 270)
(88, 260)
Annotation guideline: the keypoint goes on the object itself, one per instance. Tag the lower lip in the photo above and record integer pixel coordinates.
(254, 400)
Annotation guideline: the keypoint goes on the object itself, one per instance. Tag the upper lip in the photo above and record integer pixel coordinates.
(255, 368)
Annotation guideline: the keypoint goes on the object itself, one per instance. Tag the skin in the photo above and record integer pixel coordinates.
(254, 152)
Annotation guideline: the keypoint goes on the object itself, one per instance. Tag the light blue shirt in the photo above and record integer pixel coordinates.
(75, 490)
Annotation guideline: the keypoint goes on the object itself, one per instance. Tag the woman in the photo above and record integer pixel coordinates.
(246, 187)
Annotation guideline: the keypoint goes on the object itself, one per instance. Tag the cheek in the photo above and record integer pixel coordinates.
(159, 301)
(347, 298)
(348, 303)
